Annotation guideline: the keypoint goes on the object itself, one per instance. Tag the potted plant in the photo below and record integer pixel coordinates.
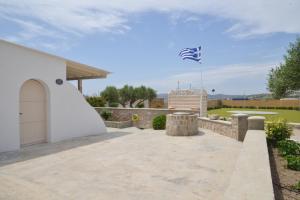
(135, 119)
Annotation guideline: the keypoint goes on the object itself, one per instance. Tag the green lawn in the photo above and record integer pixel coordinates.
(289, 115)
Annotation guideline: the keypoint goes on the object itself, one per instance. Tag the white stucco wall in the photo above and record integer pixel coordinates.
(69, 115)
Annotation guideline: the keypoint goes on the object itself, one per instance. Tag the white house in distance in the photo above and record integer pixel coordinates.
(37, 103)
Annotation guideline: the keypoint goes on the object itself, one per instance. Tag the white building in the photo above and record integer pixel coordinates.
(37, 103)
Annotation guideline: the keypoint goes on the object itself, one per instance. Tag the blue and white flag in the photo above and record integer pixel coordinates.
(191, 53)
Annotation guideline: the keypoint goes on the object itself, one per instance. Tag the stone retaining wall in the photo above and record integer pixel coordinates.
(236, 128)
(251, 178)
(218, 126)
(118, 124)
(146, 115)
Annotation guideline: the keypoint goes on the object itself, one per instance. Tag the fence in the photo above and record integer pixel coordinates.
(268, 103)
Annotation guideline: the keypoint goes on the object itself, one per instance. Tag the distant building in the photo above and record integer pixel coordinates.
(188, 100)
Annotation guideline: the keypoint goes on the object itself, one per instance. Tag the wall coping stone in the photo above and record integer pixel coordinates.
(251, 178)
(239, 115)
(256, 123)
(216, 121)
(257, 117)
(294, 125)
(158, 109)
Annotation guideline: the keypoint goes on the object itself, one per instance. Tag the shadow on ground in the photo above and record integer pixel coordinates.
(45, 149)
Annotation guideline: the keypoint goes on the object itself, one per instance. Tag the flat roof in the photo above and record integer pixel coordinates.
(75, 70)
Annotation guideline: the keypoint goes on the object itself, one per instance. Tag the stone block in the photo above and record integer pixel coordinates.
(256, 123)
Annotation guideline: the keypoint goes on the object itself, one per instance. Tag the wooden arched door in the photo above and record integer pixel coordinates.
(33, 120)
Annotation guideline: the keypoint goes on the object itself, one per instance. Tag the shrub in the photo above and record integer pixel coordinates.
(293, 162)
(262, 107)
(297, 186)
(113, 104)
(159, 122)
(288, 147)
(106, 114)
(96, 101)
(278, 130)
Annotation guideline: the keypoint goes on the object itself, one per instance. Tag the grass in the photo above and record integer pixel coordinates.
(289, 115)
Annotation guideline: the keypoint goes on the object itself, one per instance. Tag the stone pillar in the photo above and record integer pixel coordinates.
(203, 103)
(256, 123)
(239, 126)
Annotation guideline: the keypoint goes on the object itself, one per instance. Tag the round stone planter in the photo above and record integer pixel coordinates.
(182, 124)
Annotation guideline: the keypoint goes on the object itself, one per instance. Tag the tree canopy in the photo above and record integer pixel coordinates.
(128, 95)
(111, 95)
(143, 93)
(285, 78)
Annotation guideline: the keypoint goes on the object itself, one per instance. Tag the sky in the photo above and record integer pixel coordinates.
(139, 40)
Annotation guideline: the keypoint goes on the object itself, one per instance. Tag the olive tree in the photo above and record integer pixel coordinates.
(285, 78)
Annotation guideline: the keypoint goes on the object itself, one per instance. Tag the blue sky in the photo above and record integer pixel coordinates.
(139, 41)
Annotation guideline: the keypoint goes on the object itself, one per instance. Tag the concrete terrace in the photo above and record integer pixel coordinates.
(122, 164)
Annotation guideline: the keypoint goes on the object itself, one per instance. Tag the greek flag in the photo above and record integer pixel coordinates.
(191, 53)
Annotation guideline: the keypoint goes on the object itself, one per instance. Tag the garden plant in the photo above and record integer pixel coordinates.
(106, 114)
(159, 122)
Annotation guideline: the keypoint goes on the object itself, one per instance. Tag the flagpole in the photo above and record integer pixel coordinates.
(201, 79)
(193, 54)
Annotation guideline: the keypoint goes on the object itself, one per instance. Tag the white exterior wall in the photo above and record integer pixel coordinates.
(69, 115)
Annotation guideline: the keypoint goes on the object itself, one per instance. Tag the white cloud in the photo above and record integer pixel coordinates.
(248, 18)
(234, 79)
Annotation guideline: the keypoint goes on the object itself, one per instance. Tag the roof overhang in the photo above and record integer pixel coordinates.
(77, 71)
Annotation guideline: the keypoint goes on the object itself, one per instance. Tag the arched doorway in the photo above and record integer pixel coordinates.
(33, 113)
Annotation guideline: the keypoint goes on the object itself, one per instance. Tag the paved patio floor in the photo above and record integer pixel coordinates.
(122, 164)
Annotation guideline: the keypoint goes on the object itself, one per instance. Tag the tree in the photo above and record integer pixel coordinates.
(96, 101)
(286, 78)
(111, 95)
(276, 83)
(126, 95)
(151, 93)
(143, 93)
